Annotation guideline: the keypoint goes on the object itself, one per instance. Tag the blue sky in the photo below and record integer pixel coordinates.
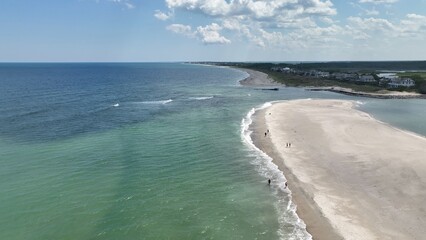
(211, 30)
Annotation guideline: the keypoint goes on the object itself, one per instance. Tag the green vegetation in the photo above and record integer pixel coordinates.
(302, 81)
(372, 68)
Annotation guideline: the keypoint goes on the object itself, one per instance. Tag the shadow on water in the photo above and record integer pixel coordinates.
(145, 157)
(120, 217)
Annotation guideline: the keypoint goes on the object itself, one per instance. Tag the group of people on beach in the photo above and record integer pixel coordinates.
(266, 133)
(287, 145)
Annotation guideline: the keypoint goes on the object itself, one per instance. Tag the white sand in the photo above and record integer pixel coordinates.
(363, 177)
(257, 78)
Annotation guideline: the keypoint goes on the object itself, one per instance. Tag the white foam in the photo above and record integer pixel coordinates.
(201, 98)
(286, 209)
(157, 102)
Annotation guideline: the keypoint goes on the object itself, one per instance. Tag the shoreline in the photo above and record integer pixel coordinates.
(348, 149)
(307, 211)
(260, 79)
(388, 95)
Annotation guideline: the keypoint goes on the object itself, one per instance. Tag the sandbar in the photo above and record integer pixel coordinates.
(351, 176)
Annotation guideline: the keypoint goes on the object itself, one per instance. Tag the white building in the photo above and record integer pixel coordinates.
(388, 76)
(401, 82)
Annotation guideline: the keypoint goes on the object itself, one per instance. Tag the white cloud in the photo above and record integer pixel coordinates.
(372, 12)
(210, 34)
(326, 20)
(373, 24)
(254, 8)
(413, 26)
(287, 25)
(253, 19)
(378, 1)
(126, 3)
(209, 7)
(162, 16)
(181, 29)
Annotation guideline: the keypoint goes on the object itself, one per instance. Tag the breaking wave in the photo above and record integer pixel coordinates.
(286, 209)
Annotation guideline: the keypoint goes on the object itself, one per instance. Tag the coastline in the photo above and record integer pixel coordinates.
(316, 224)
(386, 95)
(260, 79)
(365, 172)
(257, 79)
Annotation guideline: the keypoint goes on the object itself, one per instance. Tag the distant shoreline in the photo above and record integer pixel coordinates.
(257, 78)
(261, 79)
(388, 95)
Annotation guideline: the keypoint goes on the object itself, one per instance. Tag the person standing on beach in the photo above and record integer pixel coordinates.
(269, 181)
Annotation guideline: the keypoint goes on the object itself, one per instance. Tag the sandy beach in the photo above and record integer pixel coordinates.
(257, 78)
(351, 176)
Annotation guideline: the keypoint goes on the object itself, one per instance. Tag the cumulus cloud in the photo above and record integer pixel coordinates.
(210, 34)
(372, 12)
(372, 24)
(209, 7)
(253, 19)
(378, 1)
(162, 16)
(181, 29)
(254, 8)
(412, 26)
(285, 25)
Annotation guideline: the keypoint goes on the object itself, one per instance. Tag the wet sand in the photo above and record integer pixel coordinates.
(351, 176)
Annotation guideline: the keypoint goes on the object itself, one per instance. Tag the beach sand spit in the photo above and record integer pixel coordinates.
(257, 78)
(351, 176)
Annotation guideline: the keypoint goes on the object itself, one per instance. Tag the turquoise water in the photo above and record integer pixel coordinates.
(144, 151)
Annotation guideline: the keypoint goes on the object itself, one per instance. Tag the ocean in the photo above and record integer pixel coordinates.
(146, 151)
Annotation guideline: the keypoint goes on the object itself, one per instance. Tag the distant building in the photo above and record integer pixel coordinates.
(323, 74)
(387, 76)
(401, 82)
(366, 78)
(281, 69)
(316, 74)
(344, 76)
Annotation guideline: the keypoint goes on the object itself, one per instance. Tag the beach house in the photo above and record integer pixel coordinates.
(401, 82)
